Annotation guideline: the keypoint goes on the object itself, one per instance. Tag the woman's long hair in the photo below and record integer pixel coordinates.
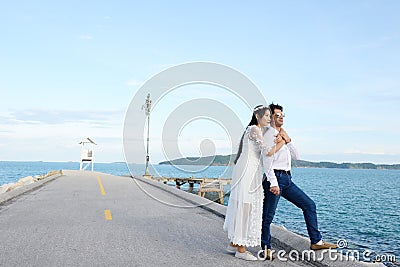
(260, 112)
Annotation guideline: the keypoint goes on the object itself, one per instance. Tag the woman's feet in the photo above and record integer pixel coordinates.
(240, 252)
(245, 256)
(231, 249)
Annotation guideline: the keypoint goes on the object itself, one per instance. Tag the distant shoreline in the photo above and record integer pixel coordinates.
(223, 160)
(226, 160)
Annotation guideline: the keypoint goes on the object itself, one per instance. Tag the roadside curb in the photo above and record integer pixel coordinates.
(7, 196)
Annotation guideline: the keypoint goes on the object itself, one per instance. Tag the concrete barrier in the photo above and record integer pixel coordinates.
(21, 182)
(25, 185)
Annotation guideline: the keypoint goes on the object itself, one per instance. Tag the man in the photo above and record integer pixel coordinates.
(278, 182)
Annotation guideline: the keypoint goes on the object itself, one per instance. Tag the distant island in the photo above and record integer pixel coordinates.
(224, 160)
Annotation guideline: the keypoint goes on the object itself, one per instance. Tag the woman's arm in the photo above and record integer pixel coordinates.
(276, 148)
(266, 142)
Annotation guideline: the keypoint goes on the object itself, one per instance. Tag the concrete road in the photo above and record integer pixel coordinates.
(95, 219)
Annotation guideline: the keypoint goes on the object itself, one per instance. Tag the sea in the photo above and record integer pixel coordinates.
(361, 207)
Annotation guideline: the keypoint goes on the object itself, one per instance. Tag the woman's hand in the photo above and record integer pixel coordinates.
(285, 136)
(278, 139)
(275, 190)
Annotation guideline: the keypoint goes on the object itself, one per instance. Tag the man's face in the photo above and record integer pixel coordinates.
(278, 117)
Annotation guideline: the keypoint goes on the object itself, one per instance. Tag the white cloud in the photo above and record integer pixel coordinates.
(42, 116)
(53, 135)
(356, 151)
(59, 142)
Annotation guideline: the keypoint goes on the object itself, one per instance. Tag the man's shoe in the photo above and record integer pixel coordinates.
(266, 254)
(231, 249)
(245, 256)
(324, 245)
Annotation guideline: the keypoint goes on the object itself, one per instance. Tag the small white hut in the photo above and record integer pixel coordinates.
(87, 154)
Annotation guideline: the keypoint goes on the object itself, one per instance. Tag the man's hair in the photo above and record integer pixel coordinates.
(273, 106)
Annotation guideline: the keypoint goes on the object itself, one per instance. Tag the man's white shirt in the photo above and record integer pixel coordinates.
(280, 160)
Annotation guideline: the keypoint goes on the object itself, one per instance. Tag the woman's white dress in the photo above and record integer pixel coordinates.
(244, 213)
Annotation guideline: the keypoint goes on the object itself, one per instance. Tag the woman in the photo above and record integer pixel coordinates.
(244, 213)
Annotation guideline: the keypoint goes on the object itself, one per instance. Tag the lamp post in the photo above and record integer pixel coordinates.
(147, 107)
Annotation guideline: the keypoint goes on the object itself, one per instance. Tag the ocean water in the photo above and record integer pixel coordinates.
(360, 206)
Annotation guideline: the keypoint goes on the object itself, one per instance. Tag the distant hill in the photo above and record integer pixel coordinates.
(223, 160)
(324, 164)
(218, 160)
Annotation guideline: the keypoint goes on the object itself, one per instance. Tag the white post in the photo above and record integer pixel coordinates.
(147, 108)
(92, 157)
(82, 151)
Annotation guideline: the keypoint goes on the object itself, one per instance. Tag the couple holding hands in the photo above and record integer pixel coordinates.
(255, 190)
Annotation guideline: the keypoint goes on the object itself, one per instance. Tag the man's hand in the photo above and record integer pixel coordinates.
(285, 136)
(275, 190)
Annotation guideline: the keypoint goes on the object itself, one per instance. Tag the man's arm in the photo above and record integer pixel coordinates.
(292, 149)
(269, 172)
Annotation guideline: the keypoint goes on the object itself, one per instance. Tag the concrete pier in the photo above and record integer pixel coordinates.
(96, 219)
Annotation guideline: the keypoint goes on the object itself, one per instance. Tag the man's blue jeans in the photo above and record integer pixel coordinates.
(291, 192)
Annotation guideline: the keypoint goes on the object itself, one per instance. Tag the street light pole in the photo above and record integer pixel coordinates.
(147, 107)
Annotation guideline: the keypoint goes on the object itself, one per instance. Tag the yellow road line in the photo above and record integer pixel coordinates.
(107, 214)
(101, 186)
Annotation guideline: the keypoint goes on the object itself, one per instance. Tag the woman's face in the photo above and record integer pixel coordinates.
(266, 119)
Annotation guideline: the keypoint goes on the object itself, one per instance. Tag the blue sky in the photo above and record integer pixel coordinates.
(69, 70)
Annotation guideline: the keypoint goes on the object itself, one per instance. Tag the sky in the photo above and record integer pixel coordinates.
(70, 69)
